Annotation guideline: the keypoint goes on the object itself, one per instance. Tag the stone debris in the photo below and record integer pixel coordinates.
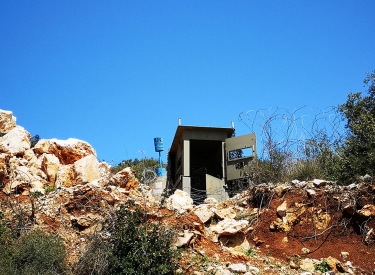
(227, 227)
(73, 193)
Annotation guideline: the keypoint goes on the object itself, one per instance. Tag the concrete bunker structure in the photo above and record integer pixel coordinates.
(203, 160)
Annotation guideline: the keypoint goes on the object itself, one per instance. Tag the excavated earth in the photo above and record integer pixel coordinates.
(316, 222)
(298, 227)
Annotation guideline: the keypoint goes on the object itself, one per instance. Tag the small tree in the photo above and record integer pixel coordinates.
(358, 152)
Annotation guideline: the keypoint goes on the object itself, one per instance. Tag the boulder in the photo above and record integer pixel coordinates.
(67, 151)
(184, 239)
(32, 160)
(3, 167)
(86, 169)
(228, 227)
(281, 209)
(7, 121)
(210, 201)
(180, 202)
(65, 176)
(50, 166)
(320, 183)
(291, 218)
(105, 173)
(203, 212)
(22, 180)
(15, 142)
(236, 243)
(281, 189)
(308, 265)
(225, 213)
(125, 179)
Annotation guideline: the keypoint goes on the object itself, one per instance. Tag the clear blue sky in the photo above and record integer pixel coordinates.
(119, 73)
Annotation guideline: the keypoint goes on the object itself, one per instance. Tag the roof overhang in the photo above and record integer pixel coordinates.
(181, 129)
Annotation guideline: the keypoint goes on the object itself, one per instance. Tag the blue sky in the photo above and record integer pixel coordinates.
(119, 73)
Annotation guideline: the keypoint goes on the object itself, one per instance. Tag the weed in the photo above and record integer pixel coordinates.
(36, 194)
(202, 262)
(251, 252)
(322, 267)
(49, 189)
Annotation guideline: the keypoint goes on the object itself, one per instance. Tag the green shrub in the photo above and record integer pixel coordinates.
(5, 232)
(140, 246)
(34, 253)
(135, 246)
(95, 260)
(322, 267)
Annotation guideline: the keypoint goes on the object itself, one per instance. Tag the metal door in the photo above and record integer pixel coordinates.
(235, 159)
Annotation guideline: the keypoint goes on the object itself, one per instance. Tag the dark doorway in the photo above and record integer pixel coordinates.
(205, 158)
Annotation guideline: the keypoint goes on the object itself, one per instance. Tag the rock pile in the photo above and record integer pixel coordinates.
(51, 163)
(61, 187)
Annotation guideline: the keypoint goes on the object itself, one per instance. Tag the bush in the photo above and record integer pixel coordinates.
(135, 246)
(95, 260)
(34, 253)
(141, 247)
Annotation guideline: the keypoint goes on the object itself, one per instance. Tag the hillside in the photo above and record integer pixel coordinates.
(288, 228)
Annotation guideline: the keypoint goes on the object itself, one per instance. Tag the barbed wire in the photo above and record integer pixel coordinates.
(292, 131)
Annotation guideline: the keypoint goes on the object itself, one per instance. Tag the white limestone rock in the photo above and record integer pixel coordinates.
(50, 166)
(237, 268)
(180, 202)
(65, 176)
(280, 190)
(225, 213)
(184, 239)
(203, 212)
(7, 121)
(228, 227)
(86, 169)
(15, 142)
(105, 173)
(67, 151)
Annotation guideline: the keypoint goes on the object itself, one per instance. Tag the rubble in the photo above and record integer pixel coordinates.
(61, 187)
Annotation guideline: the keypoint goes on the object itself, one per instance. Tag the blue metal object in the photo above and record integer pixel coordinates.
(159, 146)
(160, 172)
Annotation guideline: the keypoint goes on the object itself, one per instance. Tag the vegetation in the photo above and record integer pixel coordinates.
(357, 155)
(34, 140)
(322, 267)
(138, 166)
(135, 246)
(35, 252)
(251, 252)
(342, 158)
